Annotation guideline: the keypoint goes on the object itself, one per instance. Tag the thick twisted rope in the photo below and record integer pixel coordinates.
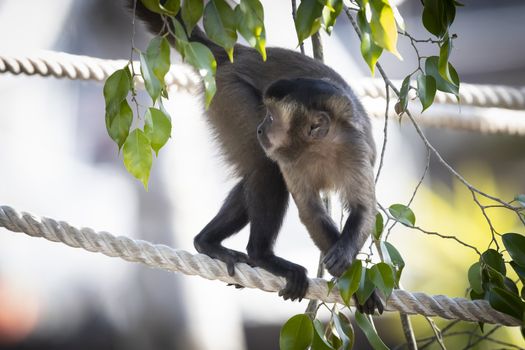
(163, 257)
(182, 77)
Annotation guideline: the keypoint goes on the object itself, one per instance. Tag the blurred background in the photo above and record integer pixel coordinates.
(57, 161)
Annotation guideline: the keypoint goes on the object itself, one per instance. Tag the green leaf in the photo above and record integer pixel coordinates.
(219, 24)
(249, 16)
(494, 259)
(383, 25)
(426, 89)
(520, 271)
(366, 286)
(200, 57)
(403, 214)
(369, 331)
(515, 245)
(137, 156)
(116, 89)
(431, 68)
(506, 302)
(319, 342)
(394, 258)
(369, 49)
(297, 333)
(170, 7)
(118, 124)
(158, 57)
(344, 330)
(308, 18)
(382, 275)
(152, 83)
(521, 199)
(432, 14)
(444, 54)
(474, 278)
(378, 226)
(510, 286)
(157, 127)
(191, 12)
(348, 283)
(331, 11)
(403, 95)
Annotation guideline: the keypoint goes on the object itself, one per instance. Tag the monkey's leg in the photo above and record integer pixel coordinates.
(232, 217)
(267, 200)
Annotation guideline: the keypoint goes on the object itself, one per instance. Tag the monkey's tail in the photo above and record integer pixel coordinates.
(156, 25)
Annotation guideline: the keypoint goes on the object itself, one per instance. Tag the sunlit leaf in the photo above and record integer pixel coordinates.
(250, 24)
(426, 90)
(348, 283)
(297, 333)
(308, 18)
(515, 245)
(383, 25)
(331, 11)
(403, 214)
(369, 49)
(118, 124)
(116, 89)
(137, 156)
(369, 331)
(168, 7)
(157, 127)
(219, 24)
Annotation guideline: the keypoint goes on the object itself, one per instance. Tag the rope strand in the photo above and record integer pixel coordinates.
(176, 260)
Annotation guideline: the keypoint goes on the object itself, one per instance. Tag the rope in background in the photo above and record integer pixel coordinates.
(164, 257)
(182, 77)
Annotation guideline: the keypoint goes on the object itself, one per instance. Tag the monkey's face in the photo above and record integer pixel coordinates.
(290, 130)
(272, 133)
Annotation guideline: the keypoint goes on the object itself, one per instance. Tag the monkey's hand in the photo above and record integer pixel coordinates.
(337, 259)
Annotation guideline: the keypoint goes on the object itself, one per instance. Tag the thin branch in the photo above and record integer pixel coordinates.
(294, 12)
(385, 133)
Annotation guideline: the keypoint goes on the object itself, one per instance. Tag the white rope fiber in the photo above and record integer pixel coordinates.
(182, 77)
(164, 257)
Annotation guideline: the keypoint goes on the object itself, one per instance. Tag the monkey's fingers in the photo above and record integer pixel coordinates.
(336, 262)
(236, 285)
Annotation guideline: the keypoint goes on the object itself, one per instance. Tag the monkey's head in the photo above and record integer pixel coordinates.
(301, 115)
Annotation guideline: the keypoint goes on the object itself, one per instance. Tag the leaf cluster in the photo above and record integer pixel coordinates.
(489, 279)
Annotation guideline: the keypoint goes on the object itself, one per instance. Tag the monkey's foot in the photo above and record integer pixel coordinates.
(371, 304)
(296, 284)
(229, 256)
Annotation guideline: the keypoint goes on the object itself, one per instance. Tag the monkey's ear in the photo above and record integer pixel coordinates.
(319, 125)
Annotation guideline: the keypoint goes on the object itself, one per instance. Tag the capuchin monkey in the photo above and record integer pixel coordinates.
(287, 125)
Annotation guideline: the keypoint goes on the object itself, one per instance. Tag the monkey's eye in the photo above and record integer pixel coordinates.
(270, 117)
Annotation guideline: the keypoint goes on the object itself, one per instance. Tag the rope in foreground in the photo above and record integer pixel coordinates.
(164, 257)
(182, 77)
